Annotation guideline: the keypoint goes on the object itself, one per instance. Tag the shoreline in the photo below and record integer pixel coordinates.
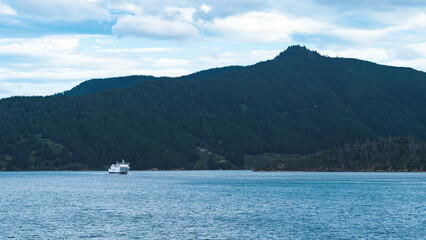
(187, 170)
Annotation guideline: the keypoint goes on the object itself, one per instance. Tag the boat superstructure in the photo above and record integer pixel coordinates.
(119, 168)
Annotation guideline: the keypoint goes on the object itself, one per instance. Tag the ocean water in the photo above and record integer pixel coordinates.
(212, 205)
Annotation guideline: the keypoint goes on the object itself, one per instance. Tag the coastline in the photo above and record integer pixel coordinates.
(193, 170)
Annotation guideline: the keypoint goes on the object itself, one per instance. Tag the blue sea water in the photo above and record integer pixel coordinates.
(212, 205)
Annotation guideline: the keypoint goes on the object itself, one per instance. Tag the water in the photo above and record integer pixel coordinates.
(212, 205)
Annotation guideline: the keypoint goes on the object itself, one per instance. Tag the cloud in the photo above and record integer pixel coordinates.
(67, 41)
(416, 22)
(263, 26)
(69, 57)
(370, 54)
(227, 58)
(38, 46)
(179, 14)
(406, 53)
(419, 47)
(360, 36)
(6, 10)
(205, 8)
(154, 27)
(400, 55)
(46, 65)
(169, 22)
(138, 50)
(65, 10)
(380, 5)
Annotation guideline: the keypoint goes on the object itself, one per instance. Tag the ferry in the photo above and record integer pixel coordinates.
(119, 168)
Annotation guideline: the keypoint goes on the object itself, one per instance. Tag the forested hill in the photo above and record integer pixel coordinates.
(383, 154)
(99, 85)
(297, 103)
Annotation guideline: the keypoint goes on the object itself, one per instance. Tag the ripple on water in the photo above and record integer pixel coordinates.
(212, 205)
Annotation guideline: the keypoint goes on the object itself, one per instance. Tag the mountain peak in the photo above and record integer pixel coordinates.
(298, 52)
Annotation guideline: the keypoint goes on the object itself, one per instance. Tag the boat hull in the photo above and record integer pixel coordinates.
(117, 172)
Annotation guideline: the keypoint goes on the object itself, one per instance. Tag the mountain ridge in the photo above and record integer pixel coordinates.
(297, 103)
(105, 84)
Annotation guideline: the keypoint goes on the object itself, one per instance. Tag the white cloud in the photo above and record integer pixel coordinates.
(179, 14)
(63, 61)
(138, 50)
(169, 23)
(369, 54)
(419, 47)
(124, 7)
(66, 10)
(170, 62)
(401, 56)
(415, 22)
(227, 58)
(263, 26)
(154, 27)
(39, 46)
(360, 36)
(406, 53)
(205, 8)
(6, 10)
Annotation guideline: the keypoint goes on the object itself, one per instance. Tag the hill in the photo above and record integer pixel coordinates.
(104, 84)
(297, 103)
(385, 154)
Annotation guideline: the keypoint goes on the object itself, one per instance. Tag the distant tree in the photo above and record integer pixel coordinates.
(374, 152)
(412, 149)
(341, 158)
(364, 154)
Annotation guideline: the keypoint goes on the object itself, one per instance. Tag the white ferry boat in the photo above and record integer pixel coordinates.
(119, 168)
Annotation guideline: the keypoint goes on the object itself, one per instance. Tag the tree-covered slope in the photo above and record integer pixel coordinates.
(298, 103)
(104, 84)
(384, 154)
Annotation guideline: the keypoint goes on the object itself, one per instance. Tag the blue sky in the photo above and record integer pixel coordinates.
(48, 46)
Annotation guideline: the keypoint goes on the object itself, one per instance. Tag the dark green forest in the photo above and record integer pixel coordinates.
(103, 84)
(383, 154)
(297, 103)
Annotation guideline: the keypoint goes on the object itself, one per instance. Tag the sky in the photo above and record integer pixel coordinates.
(48, 46)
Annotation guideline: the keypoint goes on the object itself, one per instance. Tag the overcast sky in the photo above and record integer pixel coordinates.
(48, 46)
